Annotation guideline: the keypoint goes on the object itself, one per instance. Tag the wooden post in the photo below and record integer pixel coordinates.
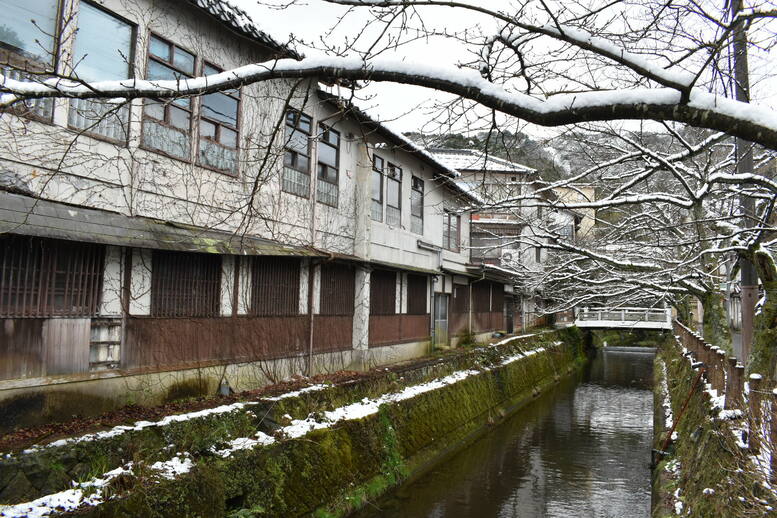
(733, 385)
(773, 436)
(721, 361)
(754, 399)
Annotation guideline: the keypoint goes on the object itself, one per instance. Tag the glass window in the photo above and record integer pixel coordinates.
(219, 115)
(28, 28)
(376, 211)
(167, 126)
(328, 162)
(103, 45)
(417, 205)
(296, 155)
(393, 195)
(450, 232)
(102, 51)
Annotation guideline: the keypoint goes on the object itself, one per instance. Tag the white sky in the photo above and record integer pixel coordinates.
(407, 108)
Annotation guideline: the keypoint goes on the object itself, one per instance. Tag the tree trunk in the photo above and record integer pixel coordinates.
(764, 353)
(716, 328)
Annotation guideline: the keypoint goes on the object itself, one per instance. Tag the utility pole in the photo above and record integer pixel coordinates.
(749, 280)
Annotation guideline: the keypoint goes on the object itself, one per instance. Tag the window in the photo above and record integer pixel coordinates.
(567, 233)
(274, 286)
(383, 292)
(417, 206)
(219, 117)
(185, 284)
(377, 188)
(27, 46)
(103, 50)
(328, 165)
(167, 125)
(338, 285)
(296, 155)
(538, 254)
(416, 294)
(450, 231)
(49, 277)
(393, 195)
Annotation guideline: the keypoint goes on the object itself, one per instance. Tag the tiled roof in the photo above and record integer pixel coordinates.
(473, 160)
(239, 21)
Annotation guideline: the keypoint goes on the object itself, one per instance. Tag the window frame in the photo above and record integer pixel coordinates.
(132, 56)
(447, 245)
(286, 149)
(168, 105)
(391, 175)
(236, 94)
(413, 189)
(23, 64)
(379, 171)
(323, 131)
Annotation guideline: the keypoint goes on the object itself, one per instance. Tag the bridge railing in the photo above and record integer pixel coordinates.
(748, 398)
(625, 314)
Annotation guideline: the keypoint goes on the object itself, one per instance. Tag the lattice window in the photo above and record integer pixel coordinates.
(383, 292)
(393, 195)
(48, 277)
(338, 283)
(417, 206)
(451, 225)
(328, 166)
(274, 286)
(185, 284)
(376, 187)
(219, 118)
(416, 294)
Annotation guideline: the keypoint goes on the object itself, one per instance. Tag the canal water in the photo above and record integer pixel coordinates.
(580, 450)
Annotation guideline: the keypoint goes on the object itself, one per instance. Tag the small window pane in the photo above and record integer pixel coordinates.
(159, 48)
(327, 154)
(157, 70)
(377, 180)
(220, 107)
(183, 60)
(207, 129)
(155, 110)
(304, 122)
(298, 141)
(377, 163)
(28, 27)
(103, 45)
(288, 158)
(228, 137)
(209, 70)
(392, 193)
(179, 118)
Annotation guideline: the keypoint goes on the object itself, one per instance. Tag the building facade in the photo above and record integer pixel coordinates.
(151, 249)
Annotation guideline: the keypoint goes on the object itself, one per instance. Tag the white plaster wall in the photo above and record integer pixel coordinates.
(112, 279)
(245, 284)
(304, 275)
(227, 284)
(140, 291)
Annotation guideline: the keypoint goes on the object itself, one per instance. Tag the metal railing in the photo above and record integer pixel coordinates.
(625, 314)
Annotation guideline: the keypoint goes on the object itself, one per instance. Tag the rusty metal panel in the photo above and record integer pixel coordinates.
(274, 286)
(338, 284)
(383, 292)
(416, 294)
(185, 284)
(385, 329)
(178, 342)
(66, 341)
(394, 329)
(22, 352)
(332, 333)
(49, 277)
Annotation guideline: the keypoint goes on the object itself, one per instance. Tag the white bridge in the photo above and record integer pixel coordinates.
(624, 318)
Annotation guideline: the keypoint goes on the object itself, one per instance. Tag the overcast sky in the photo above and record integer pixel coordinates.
(407, 108)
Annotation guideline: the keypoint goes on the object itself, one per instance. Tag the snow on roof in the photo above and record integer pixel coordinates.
(239, 21)
(473, 160)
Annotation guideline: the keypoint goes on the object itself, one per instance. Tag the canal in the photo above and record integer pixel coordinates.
(581, 449)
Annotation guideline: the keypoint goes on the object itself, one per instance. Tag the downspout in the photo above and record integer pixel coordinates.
(312, 168)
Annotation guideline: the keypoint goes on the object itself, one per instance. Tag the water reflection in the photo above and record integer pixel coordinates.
(581, 450)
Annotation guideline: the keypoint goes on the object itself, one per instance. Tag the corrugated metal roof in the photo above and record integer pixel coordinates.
(473, 160)
(239, 21)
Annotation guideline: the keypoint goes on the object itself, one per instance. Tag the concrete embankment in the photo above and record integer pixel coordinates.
(705, 469)
(322, 451)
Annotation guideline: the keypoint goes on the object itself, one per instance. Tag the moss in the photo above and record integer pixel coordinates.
(716, 327)
(190, 388)
(706, 450)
